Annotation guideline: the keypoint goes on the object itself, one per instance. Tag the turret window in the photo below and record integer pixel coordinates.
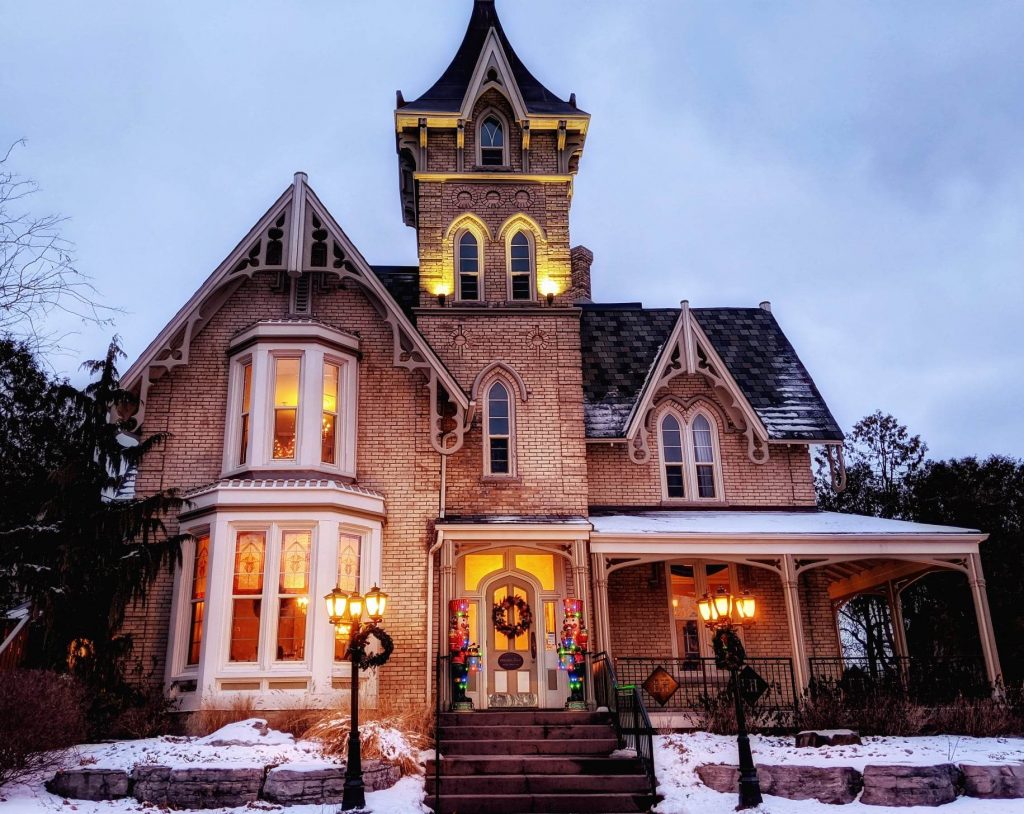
(521, 267)
(492, 143)
(469, 267)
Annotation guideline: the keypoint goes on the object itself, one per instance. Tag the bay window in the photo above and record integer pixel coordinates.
(247, 595)
(197, 599)
(293, 595)
(281, 371)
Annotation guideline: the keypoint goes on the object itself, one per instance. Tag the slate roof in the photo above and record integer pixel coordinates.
(620, 345)
(446, 95)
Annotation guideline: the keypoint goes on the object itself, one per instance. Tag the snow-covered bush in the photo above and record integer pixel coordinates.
(395, 736)
(41, 714)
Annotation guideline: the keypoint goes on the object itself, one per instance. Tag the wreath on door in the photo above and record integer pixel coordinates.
(499, 616)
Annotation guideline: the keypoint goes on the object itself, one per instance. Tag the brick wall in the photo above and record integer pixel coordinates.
(638, 604)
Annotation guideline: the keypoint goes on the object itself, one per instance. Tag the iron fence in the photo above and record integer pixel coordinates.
(700, 683)
(632, 724)
(930, 682)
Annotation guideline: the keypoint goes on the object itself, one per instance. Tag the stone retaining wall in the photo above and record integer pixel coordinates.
(882, 785)
(196, 787)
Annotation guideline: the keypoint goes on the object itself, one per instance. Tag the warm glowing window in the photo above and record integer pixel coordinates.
(499, 430)
(349, 546)
(286, 406)
(197, 599)
(469, 267)
(247, 595)
(329, 423)
(703, 457)
(479, 566)
(243, 448)
(492, 143)
(541, 566)
(672, 456)
(293, 595)
(521, 267)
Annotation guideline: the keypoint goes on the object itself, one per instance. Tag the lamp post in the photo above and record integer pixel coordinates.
(345, 613)
(723, 613)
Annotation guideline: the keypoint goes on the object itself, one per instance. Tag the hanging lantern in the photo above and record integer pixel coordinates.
(337, 604)
(376, 602)
(722, 602)
(746, 605)
(355, 607)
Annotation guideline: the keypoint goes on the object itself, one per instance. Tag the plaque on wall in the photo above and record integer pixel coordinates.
(510, 661)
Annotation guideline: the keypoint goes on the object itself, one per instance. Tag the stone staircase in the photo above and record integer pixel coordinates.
(518, 761)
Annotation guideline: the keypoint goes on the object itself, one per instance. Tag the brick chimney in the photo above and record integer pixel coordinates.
(581, 258)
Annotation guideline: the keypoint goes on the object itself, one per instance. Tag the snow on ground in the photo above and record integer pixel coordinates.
(246, 743)
(677, 757)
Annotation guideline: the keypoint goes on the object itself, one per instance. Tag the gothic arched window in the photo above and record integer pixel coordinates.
(492, 143)
(703, 456)
(469, 267)
(672, 462)
(499, 429)
(520, 267)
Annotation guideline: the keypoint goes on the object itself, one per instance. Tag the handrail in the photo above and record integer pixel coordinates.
(440, 676)
(632, 724)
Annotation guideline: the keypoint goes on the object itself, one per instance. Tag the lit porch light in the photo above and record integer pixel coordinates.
(442, 291)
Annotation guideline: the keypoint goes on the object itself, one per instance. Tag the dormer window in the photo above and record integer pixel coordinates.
(469, 267)
(520, 267)
(293, 399)
(492, 143)
(689, 457)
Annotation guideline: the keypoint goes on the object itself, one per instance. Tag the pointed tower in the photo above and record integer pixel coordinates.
(487, 157)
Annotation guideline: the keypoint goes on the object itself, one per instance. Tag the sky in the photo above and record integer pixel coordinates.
(858, 164)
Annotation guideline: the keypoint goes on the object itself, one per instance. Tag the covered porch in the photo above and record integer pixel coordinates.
(649, 568)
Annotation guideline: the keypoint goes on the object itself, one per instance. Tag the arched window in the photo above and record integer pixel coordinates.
(498, 424)
(672, 456)
(492, 143)
(469, 267)
(521, 267)
(703, 457)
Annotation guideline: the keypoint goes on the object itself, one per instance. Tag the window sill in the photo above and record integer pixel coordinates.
(679, 502)
(501, 479)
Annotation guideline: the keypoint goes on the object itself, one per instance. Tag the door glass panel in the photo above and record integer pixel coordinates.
(541, 566)
(479, 566)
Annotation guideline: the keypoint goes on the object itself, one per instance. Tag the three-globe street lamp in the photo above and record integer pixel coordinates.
(345, 613)
(723, 613)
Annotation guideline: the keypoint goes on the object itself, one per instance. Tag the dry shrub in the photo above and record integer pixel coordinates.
(41, 716)
(979, 718)
(869, 714)
(293, 721)
(392, 733)
(717, 714)
(210, 719)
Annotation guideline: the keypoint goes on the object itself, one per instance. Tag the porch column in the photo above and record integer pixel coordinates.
(794, 619)
(976, 578)
(447, 591)
(601, 617)
(899, 632)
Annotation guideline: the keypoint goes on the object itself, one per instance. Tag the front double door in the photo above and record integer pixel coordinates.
(511, 662)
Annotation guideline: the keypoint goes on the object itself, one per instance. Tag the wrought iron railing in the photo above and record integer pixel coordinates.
(698, 682)
(632, 724)
(441, 705)
(925, 681)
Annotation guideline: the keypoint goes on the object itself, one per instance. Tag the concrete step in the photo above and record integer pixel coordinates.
(554, 746)
(542, 784)
(523, 717)
(552, 803)
(468, 765)
(530, 732)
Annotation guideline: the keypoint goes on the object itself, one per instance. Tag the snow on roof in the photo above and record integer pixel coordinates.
(766, 523)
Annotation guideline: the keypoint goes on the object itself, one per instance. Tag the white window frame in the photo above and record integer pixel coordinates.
(689, 464)
(486, 418)
(457, 254)
(506, 133)
(531, 241)
(700, 584)
(313, 352)
(181, 606)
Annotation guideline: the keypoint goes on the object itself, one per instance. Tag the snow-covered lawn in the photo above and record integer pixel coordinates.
(678, 756)
(235, 745)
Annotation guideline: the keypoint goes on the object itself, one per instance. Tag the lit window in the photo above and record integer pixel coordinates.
(286, 407)
(349, 546)
(492, 143)
(247, 595)
(521, 267)
(703, 457)
(499, 430)
(672, 456)
(293, 595)
(469, 267)
(197, 601)
(243, 452)
(329, 423)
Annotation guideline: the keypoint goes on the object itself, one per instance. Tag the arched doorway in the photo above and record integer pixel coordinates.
(511, 666)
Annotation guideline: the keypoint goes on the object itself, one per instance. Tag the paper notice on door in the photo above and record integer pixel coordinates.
(523, 681)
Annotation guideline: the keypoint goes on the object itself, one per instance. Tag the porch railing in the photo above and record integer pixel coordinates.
(700, 681)
(632, 724)
(925, 681)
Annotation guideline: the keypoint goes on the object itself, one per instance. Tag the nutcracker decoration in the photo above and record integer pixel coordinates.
(464, 656)
(572, 651)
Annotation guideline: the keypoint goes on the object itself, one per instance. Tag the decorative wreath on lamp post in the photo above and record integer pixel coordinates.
(359, 643)
(499, 616)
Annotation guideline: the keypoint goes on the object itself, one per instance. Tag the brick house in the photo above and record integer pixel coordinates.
(479, 426)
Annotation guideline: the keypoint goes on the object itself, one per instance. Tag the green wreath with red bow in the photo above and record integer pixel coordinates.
(499, 616)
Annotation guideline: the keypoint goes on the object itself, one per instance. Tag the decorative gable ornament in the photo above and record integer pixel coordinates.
(299, 236)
